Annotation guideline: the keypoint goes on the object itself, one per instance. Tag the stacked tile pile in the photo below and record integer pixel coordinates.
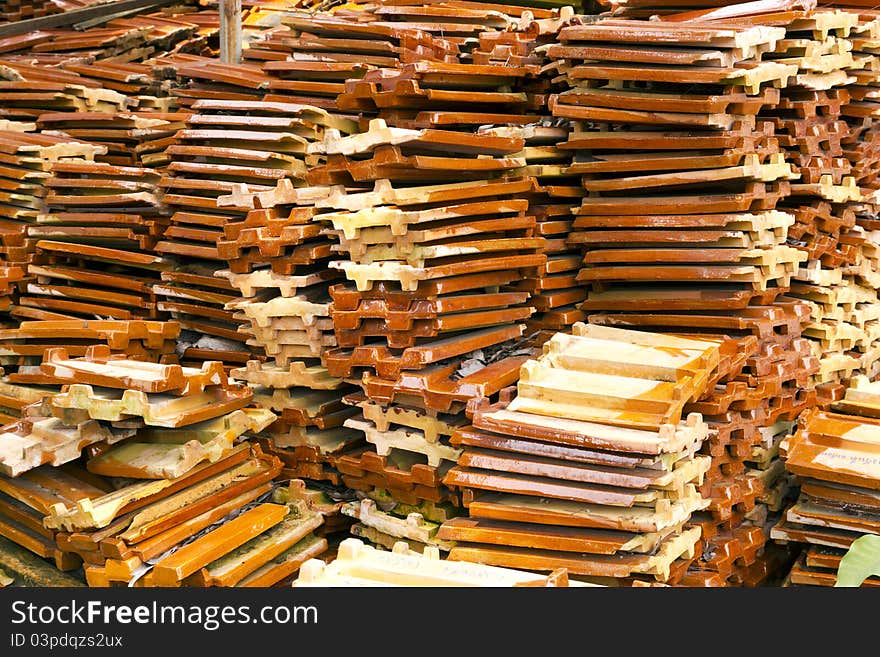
(26, 161)
(205, 78)
(140, 340)
(374, 40)
(95, 243)
(403, 468)
(285, 310)
(682, 10)
(809, 123)
(423, 326)
(554, 293)
(415, 156)
(592, 465)
(110, 218)
(17, 10)
(861, 142)
(441, 148)
(192, 295)
(681, 233)
(118, 61)
(358, 564)
(131, 139)
(711, 174)
(834, 456)
(119, 41)
(228, 144)
(101, 386)
(189, 506)
(260, 543)
(860, 148)
(315, 83)
(22, 349)
(423, 312)
(310, 56)
(28, 90)
(736, 162)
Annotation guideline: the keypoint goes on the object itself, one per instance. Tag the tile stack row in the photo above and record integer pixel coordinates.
(703, 10)
(95, 244)
(428, 309)
(228, 144)
(657, 177)
(102, 221)
(860, 148)
(422, 326)
(110, 46)
(834, 455)
(358, 564)
(108, 234)
(591, 465)
(810, 126)
(750, 411)
(681, 232)
(285, 310)
(27, 162)
(435, 304)
(29, 89)
(17, 10)
(82, 100)
(309, 56)
(132, 139)
(25, 344)
(167, 494)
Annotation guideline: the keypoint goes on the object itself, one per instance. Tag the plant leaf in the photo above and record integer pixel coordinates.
(860, 562)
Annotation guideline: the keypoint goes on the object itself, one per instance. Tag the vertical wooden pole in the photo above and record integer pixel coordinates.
(230, 31)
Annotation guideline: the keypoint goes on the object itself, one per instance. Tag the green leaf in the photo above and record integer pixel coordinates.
(860, 562)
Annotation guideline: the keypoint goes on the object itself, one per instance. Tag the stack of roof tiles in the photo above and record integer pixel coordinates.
(310, 56)
(190, 507)
(227, 144)
(95, 243)
(285, 310)
(701, 9)
(17, 10)
(809, 122)
(592, 464)
(681, 232)
(368, 272)
(358, 564)
(26, 162)
(28, 90)
(425, 254)
(420, 329)
(834, 456)
(136, 139)
(26, 343)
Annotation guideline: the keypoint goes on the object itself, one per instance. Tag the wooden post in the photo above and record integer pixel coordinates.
(230, 31)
